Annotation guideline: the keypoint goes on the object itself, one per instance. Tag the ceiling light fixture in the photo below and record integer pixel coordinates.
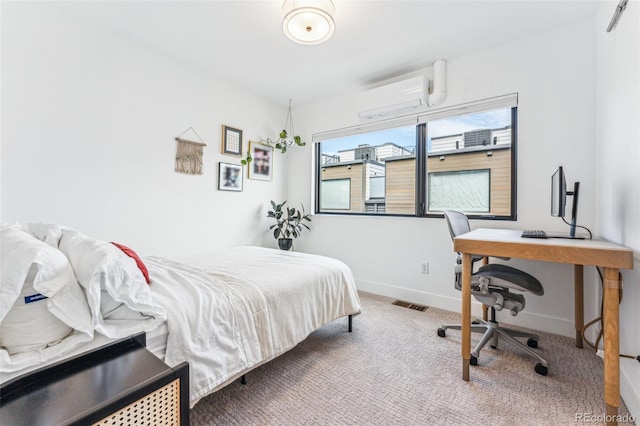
(308, 21)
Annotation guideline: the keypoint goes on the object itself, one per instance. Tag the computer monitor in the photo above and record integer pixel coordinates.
(559, 195)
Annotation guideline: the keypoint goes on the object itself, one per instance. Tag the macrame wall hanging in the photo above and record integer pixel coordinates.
(189, 154)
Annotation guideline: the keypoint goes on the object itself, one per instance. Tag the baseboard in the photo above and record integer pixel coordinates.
(534, 321)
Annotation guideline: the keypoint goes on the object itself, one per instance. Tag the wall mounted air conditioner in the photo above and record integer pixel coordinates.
(393, 99)
(402, 97)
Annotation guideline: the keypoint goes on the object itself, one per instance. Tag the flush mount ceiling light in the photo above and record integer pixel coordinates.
(308, 21)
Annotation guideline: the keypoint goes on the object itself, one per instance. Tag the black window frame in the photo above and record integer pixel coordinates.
(514, 181)
(421, 178)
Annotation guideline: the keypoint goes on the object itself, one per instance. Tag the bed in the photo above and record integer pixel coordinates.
(225, 313)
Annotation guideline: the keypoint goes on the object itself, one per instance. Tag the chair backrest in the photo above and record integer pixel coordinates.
(458, 223)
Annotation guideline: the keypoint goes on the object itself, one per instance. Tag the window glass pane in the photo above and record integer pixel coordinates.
(335, 194)
(466, 191)
(469, 163)
(381, 169)
(377, 187)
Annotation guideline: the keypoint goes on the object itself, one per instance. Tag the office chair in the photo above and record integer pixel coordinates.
(491, 285)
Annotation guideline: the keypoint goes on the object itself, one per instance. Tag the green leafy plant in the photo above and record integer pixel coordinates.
(247, 159)
(289, 220)
(283, 142)
(285, 138)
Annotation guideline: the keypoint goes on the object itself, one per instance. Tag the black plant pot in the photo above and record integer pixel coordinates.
(285, 243)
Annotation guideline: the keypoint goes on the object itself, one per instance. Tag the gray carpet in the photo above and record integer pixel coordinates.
(394, 369)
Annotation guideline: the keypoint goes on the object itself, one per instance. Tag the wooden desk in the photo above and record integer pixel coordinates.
(508, 243)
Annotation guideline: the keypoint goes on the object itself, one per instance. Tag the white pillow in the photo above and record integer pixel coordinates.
(50, 233)
(29, 325)
(117, 293)
(56, 317)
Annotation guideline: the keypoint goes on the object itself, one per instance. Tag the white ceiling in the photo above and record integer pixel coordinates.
(242, 41)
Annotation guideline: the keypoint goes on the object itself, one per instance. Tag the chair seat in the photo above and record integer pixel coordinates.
(507, 273)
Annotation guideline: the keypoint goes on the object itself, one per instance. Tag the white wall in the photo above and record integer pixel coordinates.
(88, 126)
(554, 74)
(88, 121)
(618, 169)
(561, 98)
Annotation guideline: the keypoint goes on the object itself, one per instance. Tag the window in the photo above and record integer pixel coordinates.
(460, 158)
(336, 194)
(463, 190)
(470, 159)
(380, 169)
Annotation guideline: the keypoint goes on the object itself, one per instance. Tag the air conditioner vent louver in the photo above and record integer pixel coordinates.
(480, 137)
(365, 153)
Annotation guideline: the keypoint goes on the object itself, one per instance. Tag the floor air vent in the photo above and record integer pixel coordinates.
(409, 305)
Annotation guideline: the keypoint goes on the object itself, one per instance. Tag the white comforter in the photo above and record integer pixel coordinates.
(231, 311)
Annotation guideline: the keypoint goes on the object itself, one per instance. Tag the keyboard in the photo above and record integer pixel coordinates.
(533, 233)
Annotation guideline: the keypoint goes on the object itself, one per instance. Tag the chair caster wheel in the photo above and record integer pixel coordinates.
(441, 332)
(475, 322)
(532, 343)
(541, 369)
(473, 360)
(493, 347)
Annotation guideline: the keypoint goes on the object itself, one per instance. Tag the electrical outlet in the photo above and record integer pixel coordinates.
(424, 267)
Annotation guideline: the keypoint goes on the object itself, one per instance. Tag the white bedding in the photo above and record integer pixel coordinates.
(224, 313)
(90, 287)
(229, 312)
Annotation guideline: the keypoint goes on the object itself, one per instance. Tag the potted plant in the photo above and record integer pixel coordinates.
(289, 223)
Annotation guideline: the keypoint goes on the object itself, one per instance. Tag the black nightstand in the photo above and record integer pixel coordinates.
(118, 384)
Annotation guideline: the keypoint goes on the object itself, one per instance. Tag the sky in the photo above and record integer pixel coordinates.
(406, 136)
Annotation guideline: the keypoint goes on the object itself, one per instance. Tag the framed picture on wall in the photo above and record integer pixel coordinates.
(229, 177)
(231, 141)
(261, 165)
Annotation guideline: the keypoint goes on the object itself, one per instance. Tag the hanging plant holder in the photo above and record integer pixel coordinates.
(286, 138)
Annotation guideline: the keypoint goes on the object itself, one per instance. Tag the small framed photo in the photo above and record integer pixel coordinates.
(231, 141)
(230, 177)
(261, 165)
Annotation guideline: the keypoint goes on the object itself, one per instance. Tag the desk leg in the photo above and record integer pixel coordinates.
(578, 294)
(611, 324)
(466, 314)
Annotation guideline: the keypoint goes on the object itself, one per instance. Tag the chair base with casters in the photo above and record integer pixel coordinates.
(492, 332)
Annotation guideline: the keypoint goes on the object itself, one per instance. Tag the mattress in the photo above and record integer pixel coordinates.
(156, 344)
(230, 311)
